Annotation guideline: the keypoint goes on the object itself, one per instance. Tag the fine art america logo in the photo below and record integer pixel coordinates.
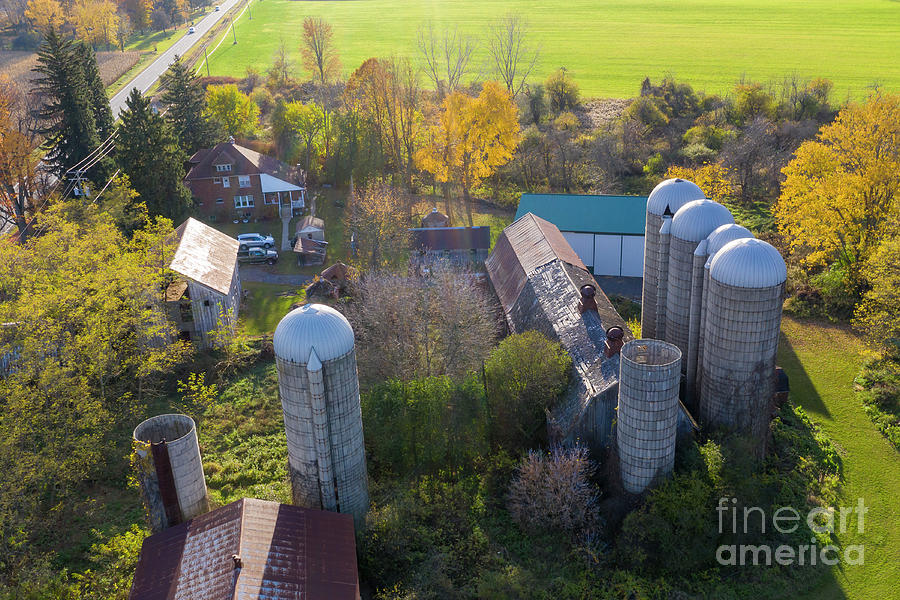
(787, 520)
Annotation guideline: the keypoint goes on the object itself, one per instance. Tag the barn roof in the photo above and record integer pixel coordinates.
(588, 213)
(205, 255)
(451, 238)
(286, 552)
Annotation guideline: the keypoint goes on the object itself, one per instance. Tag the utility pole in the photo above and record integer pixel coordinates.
(232, 31)
(206, 56)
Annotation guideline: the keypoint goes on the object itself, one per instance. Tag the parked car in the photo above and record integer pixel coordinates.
(218, 8)
(191, 30)
(255, 240)
(258, 256)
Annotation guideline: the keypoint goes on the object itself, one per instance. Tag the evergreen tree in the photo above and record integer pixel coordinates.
(185, 103)
(65, 115)
(103, 117)
(149, 154)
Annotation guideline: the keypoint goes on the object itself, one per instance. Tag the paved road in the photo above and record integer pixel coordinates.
(149, 75)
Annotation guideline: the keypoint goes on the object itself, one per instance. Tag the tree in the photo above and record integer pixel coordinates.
(475, 136)
(103, 118)
(185, 103)
(410, 327)
(236, 111)
(840, 197)
(96, 21)
(149, 154)
(298, 120)
(561, 90)
(525, 375)
(513, 58)
(45, 14)
(878, 314)
(379, 222)
(18, 165)
(446, 57)
(320, 57)
(160, 19)
(66, 115)
(281, 73)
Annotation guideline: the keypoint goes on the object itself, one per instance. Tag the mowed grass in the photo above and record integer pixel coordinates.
(821, 361)
(609, 46)
(265, 304)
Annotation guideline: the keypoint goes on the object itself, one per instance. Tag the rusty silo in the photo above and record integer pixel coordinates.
(665, 199)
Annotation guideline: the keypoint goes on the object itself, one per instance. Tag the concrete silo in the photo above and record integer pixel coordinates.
(714, 242)
(317, 380)
(169, 469)
(691, 224)
(649, 378)
(665, 199)
(743, 320)
(662, 277)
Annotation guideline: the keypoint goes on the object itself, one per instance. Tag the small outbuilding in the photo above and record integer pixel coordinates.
(251, 549)
(435, 219)
(463, 247)
(207, 294)
(311, 228)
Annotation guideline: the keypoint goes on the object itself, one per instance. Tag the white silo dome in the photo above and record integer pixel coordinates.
(724, 234)
(748, 263)
(313, 326)
(672, 193)
(698, 218)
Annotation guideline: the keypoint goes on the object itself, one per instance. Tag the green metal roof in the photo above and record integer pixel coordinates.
(588, 214)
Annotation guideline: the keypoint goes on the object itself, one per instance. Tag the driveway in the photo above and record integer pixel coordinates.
(148, 76)
(262, 275)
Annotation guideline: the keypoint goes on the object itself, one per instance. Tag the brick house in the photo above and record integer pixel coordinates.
(231, 182)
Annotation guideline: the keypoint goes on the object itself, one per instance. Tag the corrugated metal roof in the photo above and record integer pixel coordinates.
(205, 255)
(588, 214)
(451, 238)
(527, 244)
(672, 194)
(286, 552)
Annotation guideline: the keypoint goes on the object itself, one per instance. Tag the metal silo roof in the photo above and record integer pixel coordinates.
(313, 326)
(698, 218)
(724, 234)
(672, 193)
(748, 263)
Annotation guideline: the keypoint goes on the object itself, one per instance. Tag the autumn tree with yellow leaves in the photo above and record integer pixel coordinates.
(45, 14)
(380, 226)
(840, 198)
(474, 137)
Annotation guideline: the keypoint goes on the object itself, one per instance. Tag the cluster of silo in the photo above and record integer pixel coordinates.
(169, 470)
(319, 388)
(725, 325)
(649, 378)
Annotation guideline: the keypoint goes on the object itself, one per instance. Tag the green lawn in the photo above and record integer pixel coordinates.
(610, 46)
(265, 304)
(822, 361)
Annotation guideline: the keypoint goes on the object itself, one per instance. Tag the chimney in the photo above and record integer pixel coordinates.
(615, 339)
(587, 299)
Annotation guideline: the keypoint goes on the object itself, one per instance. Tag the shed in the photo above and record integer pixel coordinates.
(312, 228)
(209, 291)
(311, 251)
(435, 219)
(251, 549)
(607, 232)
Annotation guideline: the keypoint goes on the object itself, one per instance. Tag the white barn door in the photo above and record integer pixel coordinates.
(632, 256)
(607, 255)
(583, 245)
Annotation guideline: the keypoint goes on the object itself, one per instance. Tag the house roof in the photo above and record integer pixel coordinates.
(588, 214)
(310, 222)
(527, 244)
(435, 219)
(307, 246)
(205, 255)
(244, 161)
(286, 552)
(451, 238)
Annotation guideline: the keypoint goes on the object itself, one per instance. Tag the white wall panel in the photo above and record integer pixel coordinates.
(632, 256)
(607, 254)
(583, 245)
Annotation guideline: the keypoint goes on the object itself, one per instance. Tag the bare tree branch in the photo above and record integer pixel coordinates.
(446, 56)
(514, 59)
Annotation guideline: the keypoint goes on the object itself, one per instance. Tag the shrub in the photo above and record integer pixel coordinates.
(562, 91)
(880, 395)
(553, 492)
(524, 376)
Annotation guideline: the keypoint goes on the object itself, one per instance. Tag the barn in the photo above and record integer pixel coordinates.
(606, 232)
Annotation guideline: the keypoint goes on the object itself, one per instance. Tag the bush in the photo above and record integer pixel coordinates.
(880, 394)
(553, 492)
(562, 91)
(524, 376)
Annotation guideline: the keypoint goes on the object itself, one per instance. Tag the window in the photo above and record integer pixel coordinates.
(244, 180)
(220, 201)
(270, 199)
(223, 168)
(226, 182)
(217, 180)
(243, 202)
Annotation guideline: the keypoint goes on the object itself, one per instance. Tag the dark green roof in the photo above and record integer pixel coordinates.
(588, 214)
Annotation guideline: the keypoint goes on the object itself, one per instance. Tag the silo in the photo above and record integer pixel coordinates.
(649, 378)
(697, 264)
(691, 224)
(317, 379)
(743, 319)
(662, 258)
(714, 242)
(169, 469)
(666, 198)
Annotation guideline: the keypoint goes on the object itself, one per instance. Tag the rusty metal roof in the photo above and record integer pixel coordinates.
(451, 238)
(528, 243)
(286, 552)
(310, 222)
(205, 255)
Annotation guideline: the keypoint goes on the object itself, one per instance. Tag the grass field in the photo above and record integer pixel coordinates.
(610, 46)
(822, 361)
